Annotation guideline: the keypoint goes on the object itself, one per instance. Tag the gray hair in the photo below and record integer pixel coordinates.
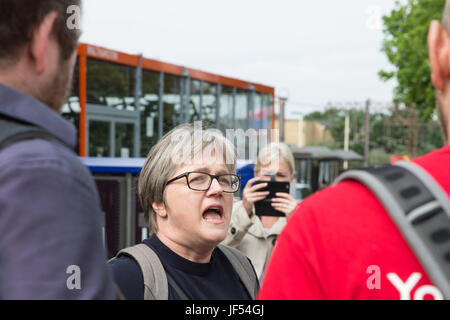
(273, 152)
(185, 144)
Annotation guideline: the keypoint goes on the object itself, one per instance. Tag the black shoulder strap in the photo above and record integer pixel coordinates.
(180, 292)
(12, 131)
(243, 268)
(419, 208)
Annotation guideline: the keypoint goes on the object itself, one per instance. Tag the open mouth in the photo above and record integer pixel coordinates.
(213, 214)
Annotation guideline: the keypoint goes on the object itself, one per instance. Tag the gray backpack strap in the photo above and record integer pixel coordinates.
(155, 280)
(419, 208)
(119, 294)
(243, 268)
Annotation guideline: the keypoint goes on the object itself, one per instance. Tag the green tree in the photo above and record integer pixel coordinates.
(334, 120)
(405, 46)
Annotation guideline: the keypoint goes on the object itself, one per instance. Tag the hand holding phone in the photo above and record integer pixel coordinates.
(252, 193)
(285, 203)
(264, 206)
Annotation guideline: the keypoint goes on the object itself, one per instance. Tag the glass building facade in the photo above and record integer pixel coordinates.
(123, 104)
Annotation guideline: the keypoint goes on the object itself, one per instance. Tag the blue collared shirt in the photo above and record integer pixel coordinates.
(50, 216)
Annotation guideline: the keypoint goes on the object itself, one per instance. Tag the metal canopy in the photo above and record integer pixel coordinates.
(313, 152)
(113, 165)
(324, 153)
(349, 155)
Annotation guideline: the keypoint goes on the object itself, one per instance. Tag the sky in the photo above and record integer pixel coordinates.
(312, 52)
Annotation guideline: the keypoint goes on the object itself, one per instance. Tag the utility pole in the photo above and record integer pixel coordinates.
(137, 98)
(281, 117)
(346, 138)
(301, 134)
(367, 134)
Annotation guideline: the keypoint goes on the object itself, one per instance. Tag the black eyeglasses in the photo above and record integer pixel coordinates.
(201, 181)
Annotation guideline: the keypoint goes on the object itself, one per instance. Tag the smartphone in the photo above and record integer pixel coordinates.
(264, 207)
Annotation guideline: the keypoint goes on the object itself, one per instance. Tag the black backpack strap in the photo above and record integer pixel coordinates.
(243, 268)
(419, 208)
(180, 292)
(12, 131)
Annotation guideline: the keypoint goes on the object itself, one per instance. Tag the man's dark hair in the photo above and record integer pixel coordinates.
(19, 19)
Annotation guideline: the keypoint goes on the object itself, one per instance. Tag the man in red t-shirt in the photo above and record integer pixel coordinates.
(342, 244)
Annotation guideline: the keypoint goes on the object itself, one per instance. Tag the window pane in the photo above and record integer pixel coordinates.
(99, 139)
(149, 104)
(301, 168)
(241, 109)
(226, 109)
(257, 107)
(209, 105)
(172, 102)
(124, 140)
(110, 84)
(242, 122)
(267, 111)
(194, 101)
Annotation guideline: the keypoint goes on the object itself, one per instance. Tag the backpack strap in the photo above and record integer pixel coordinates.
(419, 208)
(119, 294)
(155, 280)
(13, 131)
(180, 292)
(243, 268)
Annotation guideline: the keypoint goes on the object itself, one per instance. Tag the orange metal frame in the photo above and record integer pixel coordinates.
(82, 91)
(90, 51)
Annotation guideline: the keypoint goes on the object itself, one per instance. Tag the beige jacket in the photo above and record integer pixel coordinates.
(247, 235)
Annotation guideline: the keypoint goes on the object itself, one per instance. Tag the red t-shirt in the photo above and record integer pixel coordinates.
(342, 244)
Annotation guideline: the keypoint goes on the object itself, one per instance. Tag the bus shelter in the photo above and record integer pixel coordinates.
(319, 166)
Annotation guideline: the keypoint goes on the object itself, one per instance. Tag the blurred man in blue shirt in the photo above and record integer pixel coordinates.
(51, 243)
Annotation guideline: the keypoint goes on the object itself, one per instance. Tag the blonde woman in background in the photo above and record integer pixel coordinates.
(252, 235)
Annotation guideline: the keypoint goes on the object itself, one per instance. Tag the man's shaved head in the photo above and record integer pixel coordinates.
(443, 107)
(446, 18)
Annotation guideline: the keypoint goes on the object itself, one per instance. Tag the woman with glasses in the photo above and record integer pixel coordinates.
(250, 233)
(186, 189)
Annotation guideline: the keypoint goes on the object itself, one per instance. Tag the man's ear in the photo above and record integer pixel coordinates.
(438, 52)
(160, 209)
(40, 42)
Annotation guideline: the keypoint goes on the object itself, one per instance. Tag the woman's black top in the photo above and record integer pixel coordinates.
(215, 280)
